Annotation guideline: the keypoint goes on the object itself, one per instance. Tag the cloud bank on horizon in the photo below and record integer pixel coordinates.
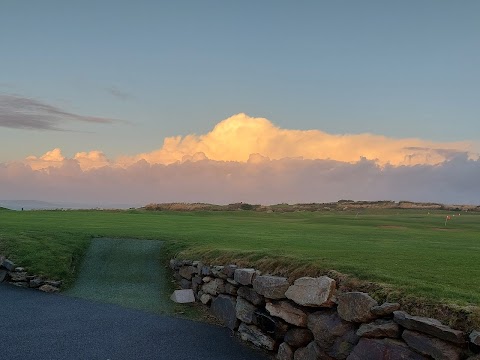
(250, 159)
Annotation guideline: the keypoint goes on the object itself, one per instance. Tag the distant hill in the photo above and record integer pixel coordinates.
(341, 205)
(44, 205)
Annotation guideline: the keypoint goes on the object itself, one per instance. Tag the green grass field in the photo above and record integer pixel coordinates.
(408, 250)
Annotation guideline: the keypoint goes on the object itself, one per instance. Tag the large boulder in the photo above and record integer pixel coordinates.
(380, 328)
(287, 312)
(431, 346)
(272, 287)
(308, 291)
(244, 276)
(254, 335)
(381, 349)
(298, 337)
(224, 309)
(245, 310)
(214, 287)
(355, 307)
(429, 326)
(251, 295)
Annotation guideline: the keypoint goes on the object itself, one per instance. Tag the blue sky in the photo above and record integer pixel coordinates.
(274, 101)
(401, 69)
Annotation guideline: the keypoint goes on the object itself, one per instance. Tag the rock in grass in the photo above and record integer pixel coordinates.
(183, 296)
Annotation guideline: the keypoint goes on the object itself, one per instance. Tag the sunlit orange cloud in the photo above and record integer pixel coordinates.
(238, 137)
(242, 138)
(54, 158)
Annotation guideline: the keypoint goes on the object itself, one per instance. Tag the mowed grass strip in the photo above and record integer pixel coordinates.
(411, 250)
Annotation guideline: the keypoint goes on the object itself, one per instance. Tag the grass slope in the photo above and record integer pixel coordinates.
(411, 250)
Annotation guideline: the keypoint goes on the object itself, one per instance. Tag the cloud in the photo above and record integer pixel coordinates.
(19, 112)
(251, 160)
(236, 138)
(266, 182)
(118, 93)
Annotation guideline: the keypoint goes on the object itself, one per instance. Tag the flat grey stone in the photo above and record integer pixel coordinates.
(183, 296)
(429, 326)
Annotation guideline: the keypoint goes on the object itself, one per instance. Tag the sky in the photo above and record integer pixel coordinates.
(220, 101)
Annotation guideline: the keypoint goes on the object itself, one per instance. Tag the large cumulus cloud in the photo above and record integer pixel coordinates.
(251, 160)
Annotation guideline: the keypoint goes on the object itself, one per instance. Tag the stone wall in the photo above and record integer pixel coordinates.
(17, 276)
(310, 319)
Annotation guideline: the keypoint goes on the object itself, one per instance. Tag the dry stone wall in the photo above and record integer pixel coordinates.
(17, 276)
(310, 319)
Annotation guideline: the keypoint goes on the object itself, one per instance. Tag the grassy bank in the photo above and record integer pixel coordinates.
(410, 251)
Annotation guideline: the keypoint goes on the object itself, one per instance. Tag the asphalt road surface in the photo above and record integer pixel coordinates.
(35, 325)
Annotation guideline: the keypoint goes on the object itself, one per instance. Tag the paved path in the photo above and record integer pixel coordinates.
(38, 326)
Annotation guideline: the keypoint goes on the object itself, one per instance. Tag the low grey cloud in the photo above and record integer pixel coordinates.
(19, 112)
(118, 93)
(266, 182)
